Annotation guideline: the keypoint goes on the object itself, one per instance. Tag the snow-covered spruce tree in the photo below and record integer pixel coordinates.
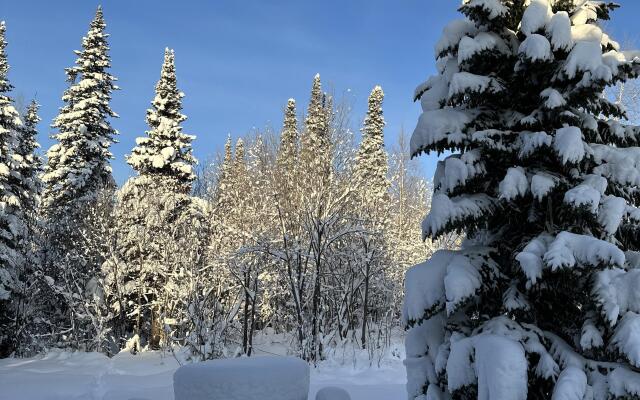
(371, 202)
(30, 183)
(77, 178)
(540, 301)
(166, 150)
(288, 150)
(220, 197)
(221, 208)
(287, 168)
(12, 227)
(27, 145)
(78, 165)
(32, 285)
(315, 141)
(159, 227)
(371, 161)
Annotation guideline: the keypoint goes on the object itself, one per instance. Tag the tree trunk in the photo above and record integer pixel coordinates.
(365, 308)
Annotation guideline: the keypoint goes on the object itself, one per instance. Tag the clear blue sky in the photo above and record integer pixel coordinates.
(239, 61)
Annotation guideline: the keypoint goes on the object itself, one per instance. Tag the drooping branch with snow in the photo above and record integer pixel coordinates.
(542, 183)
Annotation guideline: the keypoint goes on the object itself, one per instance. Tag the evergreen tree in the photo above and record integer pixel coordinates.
(159, 226)
(371, 161)
(77, 187)
(223, 204)
(32, 163)
(239, 168)
(539, 303)
(78, 165)
(224, 174)
(372, 186)
(315, 141)
(287, 153)
(29, 303)
(165, 150)
(287, 166)
(12, 227)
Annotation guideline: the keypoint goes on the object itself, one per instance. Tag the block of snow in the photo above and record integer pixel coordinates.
(572, 385)
(493, 8)
(616, 292)
(554, 99)
(585, 56)
(497, 364)
(583, 195)
(456, 170)
(569, 145)
(586, 33)
(332, 393)
(541, 185)
(536, 48)
(515, 184)
(501, 367)
(432, 93)
(436, 125)
(424, 285)
(483, 41)
(559, 27)
(590, 336)
(626, 338)
(530, 258)
(461, 281)
(536, 17)
(453, 32)
(611, 212)
(419, 371)
(618, 164)
(569, 249)
(445, 210)
(426, 338)
(532, 141)
(256, 378)
(466, 82)
(624, 383)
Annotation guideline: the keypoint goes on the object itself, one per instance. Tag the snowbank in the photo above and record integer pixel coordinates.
(257, 378)
(148, 375)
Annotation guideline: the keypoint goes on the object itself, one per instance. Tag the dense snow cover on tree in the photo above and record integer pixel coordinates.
(78, 165)
(12, 224)
(158, 228)
(540, 300)
(77, 199)
(165, 150)
(19, 195)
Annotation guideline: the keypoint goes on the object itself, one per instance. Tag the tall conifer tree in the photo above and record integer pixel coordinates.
(166, 150)
(157, 224)
(539, 302)
(78, 164)
(27, 145)
(77, 188)
(287, 152)
(315, 141)
(12, 227)
(371, 161)
(28, 305)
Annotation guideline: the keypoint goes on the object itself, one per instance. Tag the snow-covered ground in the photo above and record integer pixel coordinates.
(149, 376)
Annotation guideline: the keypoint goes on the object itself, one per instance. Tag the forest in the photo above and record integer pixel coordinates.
(306, 231)
(297, 261)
